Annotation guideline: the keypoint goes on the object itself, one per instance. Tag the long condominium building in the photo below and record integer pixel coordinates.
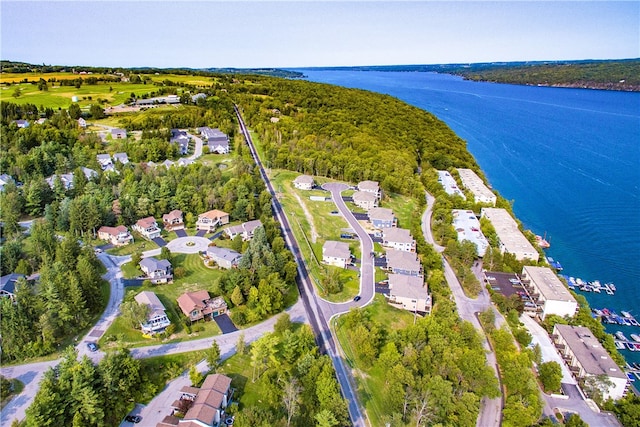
(511, 238)
(587, 357)
(473, 183)
(553, 296)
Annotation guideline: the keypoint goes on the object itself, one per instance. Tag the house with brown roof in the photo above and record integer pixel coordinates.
(199, 305)
(148, 227)
(173, 220)
(207, 403)
(117, 236)
(210, 220)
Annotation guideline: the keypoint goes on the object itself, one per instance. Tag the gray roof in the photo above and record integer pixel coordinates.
(370, 186)
(224, 253)
(8, 282)
(363, 196)
(407, 286)
(121, 157)
(381, 214)
(304, 179)
(153, 264)
(398, 235)
(151, 299)
(402, 260)
(336, 249)
(588, 351)
(250, 226)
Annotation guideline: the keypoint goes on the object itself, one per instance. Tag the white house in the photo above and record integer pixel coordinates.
(157, 320)
(216, 140)
(382, 218)
(118, 133)
(370, 187)
(365, 200)
(156, 270)
(336, 253)
(398, 238)
(210, 220)
(117, 236)
(148, 227)
(409, 293)
(225, 258)
(246, 229)
(104, 160)
(121, 157)
(402, 262)
(303, 182)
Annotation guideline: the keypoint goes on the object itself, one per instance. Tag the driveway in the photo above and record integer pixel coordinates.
(181, 233)
(225, 324)
(160, 242)
(201, 233)
(360, 216)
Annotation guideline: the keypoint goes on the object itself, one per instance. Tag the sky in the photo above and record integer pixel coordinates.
(285, 34)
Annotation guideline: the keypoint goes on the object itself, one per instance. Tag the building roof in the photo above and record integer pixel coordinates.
(113, 231)
(250, 226)
(117, 131)
(398, 235)
(121, 157)
(381, 214)
(146, 222)
(407, 286)
(202, 412)
(402, 260)
(169, 421)
(508, 232)
(174, 214)
(167, 163)
(449, 184)
(468, 228)
(224, 253)
(151, 299)
(588, 351)
(548, 284)
(304, 179)
(473, 182)
(8, 282)
(103, 158)
(153, 264)
(362, 196)
(213, 214)
(334, 249)
(370, 186)
(190, 300)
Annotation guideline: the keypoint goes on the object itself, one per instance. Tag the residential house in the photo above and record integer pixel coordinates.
(182, 139)
(402, 262)
(510, 237)
(382, 218)
(548, 292)
(409, 293)
(370, 187)
(157, 320)
(216, 140)
(398, 238)
(117, 236)
(118, 133)
(303, 182)
(468, 228)
(336, 253)
(22, 123)
(89, 173)
(210, 220)
(198, 96)
(173, 220)
(209, 402)
(586, 357)
(365, 200)
(167, 163)
(104, 160)
(199, 305)
(246, 229)
(82, 123)
(184, 161)
(147, 227)
(8, 285)
(157, 270)
(5, 180)
(121, 157)
(225, 258)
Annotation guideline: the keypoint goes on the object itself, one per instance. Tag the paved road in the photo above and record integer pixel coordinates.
(319, 322)
(490, 409)
(197, 152)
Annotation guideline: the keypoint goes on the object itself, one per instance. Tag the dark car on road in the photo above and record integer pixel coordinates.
(357, 298)
(133, 418)
(92, 346)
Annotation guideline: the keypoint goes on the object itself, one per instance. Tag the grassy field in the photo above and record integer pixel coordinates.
(139, 244)
(370, 380)
(325, 227)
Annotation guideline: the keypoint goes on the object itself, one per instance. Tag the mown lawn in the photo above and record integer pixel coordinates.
(370, 379)
(139, 244)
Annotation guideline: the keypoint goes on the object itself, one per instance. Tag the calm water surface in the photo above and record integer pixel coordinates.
(568, 158)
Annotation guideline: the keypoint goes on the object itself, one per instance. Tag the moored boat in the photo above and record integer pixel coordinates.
(635, 337)
(621, 336)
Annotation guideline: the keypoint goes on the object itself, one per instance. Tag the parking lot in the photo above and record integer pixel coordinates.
(508, 284)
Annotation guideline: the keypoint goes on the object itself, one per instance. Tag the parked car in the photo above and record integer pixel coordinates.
(133, 418)
(92, 346)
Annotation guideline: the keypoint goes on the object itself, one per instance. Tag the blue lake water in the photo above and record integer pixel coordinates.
(568, 158)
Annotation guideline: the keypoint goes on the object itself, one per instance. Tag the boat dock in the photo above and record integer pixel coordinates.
(611, 317)
(594, 286)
